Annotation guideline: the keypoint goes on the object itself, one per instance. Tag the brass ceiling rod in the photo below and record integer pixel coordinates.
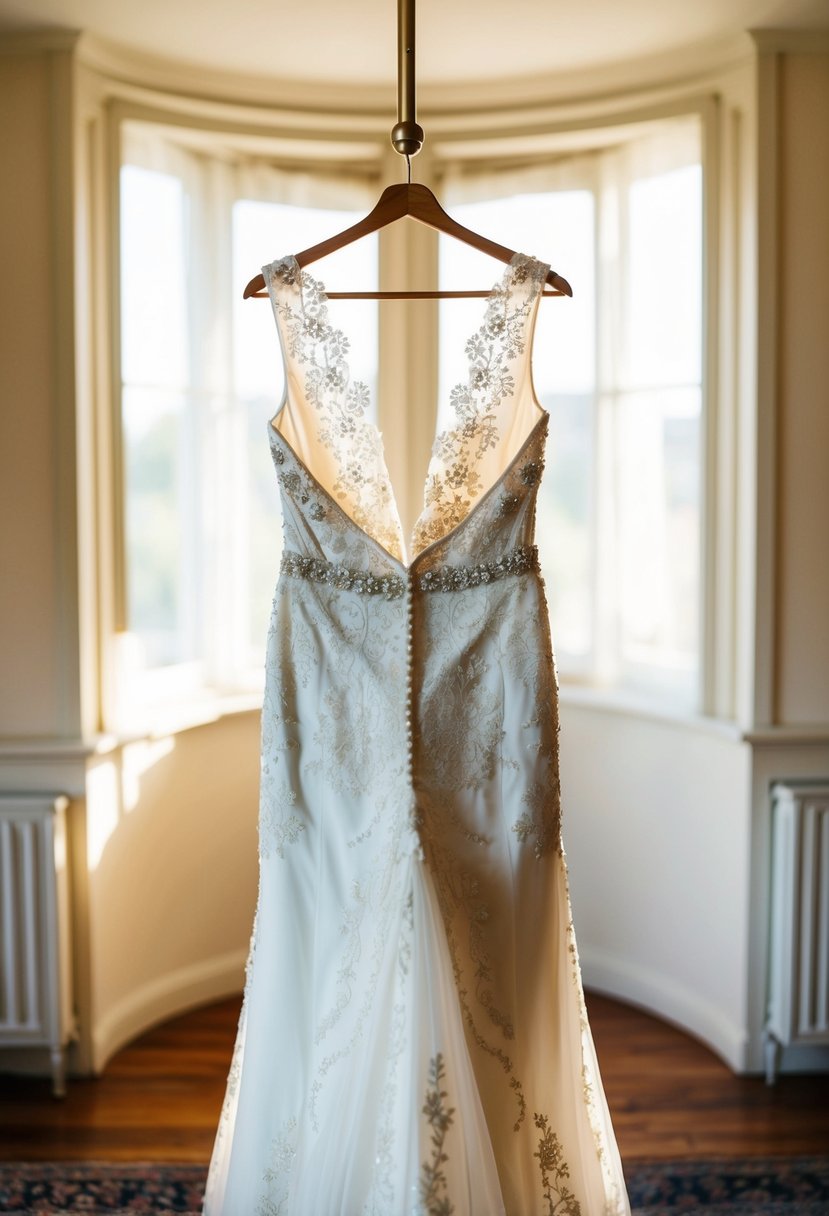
(410, 199)
(407, 136)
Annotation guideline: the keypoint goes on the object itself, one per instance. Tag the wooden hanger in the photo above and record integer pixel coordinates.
(419, 202)
(415, 201)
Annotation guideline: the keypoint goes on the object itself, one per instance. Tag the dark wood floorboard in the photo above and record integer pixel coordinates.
(159, 1098)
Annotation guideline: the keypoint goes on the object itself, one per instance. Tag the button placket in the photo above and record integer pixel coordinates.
(408, 602)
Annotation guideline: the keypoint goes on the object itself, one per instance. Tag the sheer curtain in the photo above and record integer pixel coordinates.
(619, 367)
(201, 374)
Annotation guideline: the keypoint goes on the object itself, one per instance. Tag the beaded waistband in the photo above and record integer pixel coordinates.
(393, 586)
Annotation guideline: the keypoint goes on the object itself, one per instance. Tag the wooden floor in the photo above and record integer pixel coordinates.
(159, 1098)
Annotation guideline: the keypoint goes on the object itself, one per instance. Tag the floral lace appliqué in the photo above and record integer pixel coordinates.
(453, 482)
(554, 1172)
(282, 1156)
(279, 826)
(541, 822)
(464, 712)
(337, 403)
(433, 1185)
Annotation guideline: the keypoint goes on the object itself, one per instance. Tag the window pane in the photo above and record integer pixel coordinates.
(159, 573)
(564, 526)
(154, 346)
(158, 453)
(658, 431)
(663, 283)
(658, 524)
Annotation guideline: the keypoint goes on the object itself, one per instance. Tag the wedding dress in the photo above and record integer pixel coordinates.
(413, 1035)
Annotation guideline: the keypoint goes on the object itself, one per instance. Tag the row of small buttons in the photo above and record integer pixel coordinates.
(409, 682)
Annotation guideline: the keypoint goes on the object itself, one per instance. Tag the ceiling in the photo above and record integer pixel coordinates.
(457, 40)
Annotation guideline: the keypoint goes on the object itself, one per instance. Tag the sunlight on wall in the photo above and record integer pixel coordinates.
(136, 759)
(114, 789)
(102, 805)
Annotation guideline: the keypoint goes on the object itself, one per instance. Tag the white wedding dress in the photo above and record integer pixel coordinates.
(413, 1035)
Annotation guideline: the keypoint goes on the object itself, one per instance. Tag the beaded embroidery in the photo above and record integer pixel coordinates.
(433, 1184)
(522, 560)
(457, 578)
(316, 570)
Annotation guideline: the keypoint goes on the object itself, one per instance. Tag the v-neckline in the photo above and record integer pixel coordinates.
(407, 567)
(406, 545)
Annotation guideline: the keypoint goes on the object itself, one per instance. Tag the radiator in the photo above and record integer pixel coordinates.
(798, 978)
(35, 940)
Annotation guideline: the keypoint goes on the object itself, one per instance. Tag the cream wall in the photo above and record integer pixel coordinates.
(657, 829)
(802, 650)
(172, 857)
(666, 821)
(30, 629)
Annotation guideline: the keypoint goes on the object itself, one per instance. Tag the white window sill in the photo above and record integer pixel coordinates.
(200, 709)
(627, 704)
(209, 707)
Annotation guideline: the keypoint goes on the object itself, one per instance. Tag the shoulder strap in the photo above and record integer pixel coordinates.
(325, 417)
(494, 409)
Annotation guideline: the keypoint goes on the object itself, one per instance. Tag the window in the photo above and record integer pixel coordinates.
(201, 375)
(619, 367)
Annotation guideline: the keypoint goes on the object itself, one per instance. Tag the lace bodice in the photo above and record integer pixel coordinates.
(325, 424)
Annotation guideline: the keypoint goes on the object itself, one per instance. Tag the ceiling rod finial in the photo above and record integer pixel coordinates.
(407, 138)
(407, 135)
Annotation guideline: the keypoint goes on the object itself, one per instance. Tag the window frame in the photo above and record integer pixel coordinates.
(367, 157)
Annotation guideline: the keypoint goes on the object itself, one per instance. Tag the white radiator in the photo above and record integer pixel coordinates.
(798, 988)
(35, 941)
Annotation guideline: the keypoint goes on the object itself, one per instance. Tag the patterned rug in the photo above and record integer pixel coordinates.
(762, 1186)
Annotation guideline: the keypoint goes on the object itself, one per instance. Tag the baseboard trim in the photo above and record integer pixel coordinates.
(165, 997)
(663, 996)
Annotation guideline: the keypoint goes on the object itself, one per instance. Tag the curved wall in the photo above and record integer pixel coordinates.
(656, 826)
(172, 875)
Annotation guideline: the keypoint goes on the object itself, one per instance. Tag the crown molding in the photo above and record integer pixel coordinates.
(671, 69)
(792, 42)
(187, 79)
(37, 41)
(375, 104)
(446, 100)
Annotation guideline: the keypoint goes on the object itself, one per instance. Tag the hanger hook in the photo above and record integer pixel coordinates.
(408, 169)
